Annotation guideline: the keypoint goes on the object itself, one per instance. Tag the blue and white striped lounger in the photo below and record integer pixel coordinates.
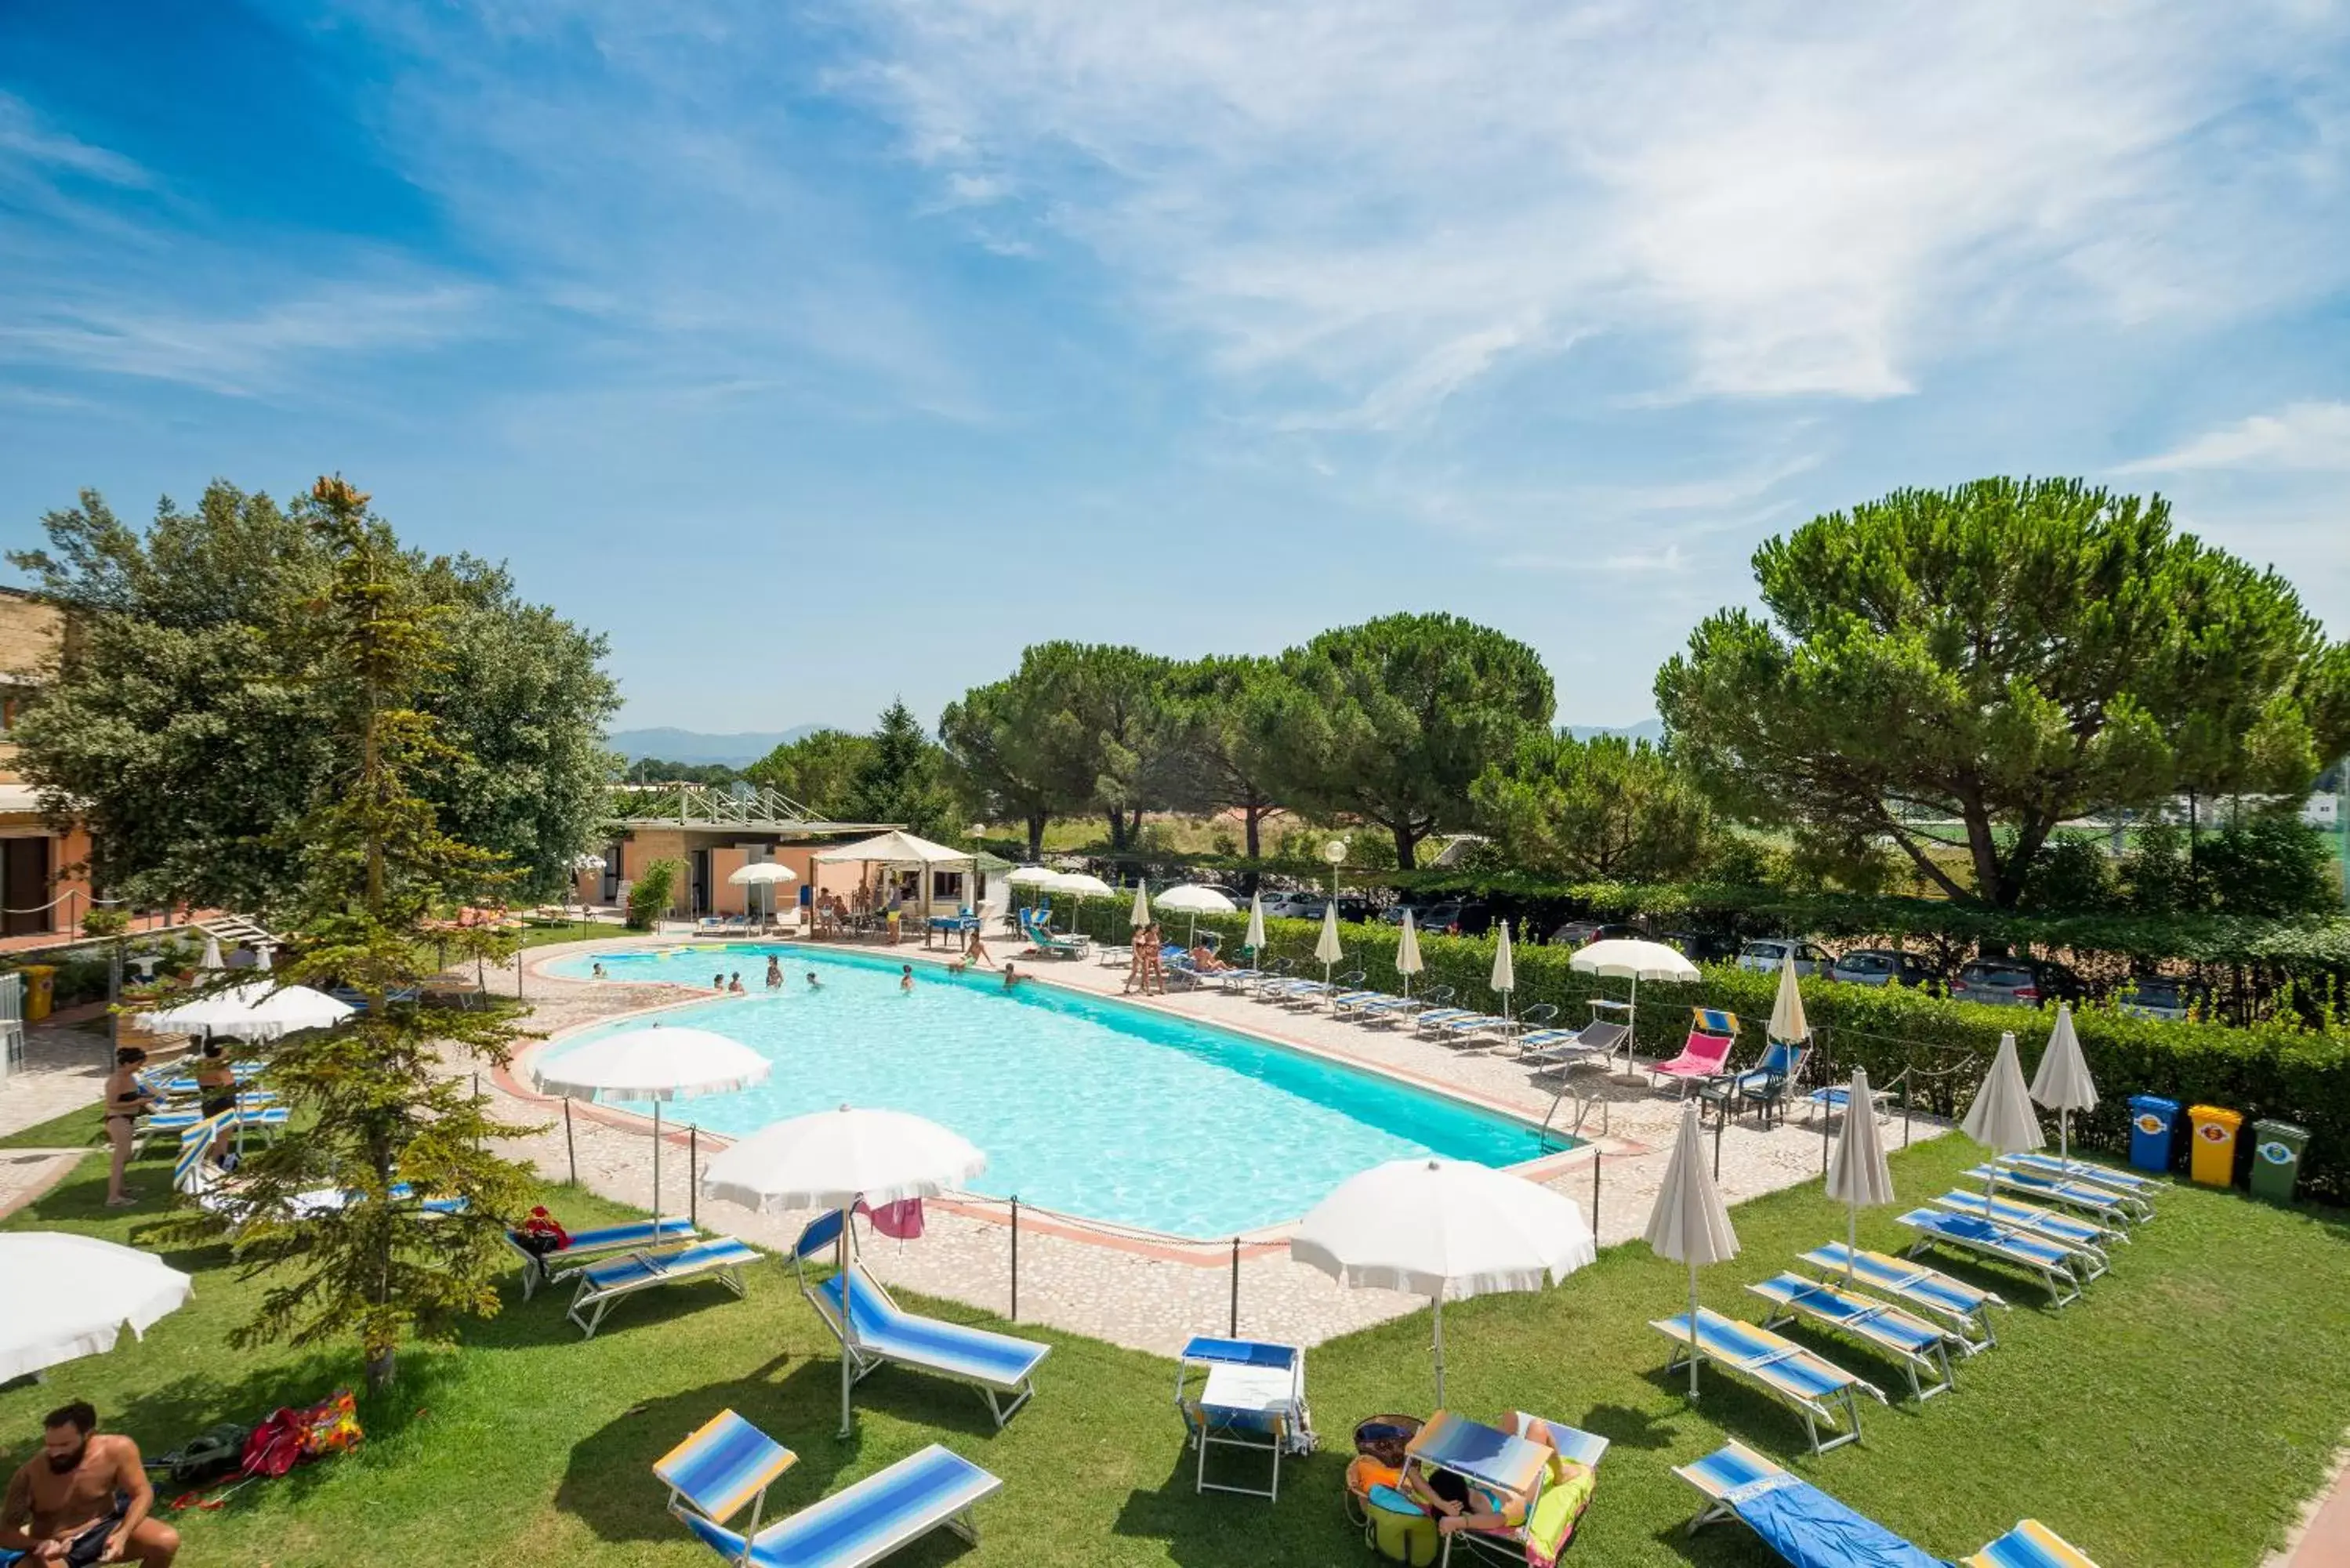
(2086, 1239)
(2129, 1183)
(878, 1332)
(586, 1246)
(2101, 1201)
(1466, 1031)
(1399, 1009)
(1963, 1308)
(1963, 1232)
(1814, 1388)
(735, 1462)
(1436, 1017)
(2031, 1545)
(719, 1257)
(1916, 1345)
(1242, 1393)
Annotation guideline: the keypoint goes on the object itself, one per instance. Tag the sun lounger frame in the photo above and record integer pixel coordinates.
(2063, 1286)
(1805, 1302)
(1962, 1324)
(723, 1263)
(1813, 1410)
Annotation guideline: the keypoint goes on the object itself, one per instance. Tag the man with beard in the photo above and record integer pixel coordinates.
(84, 1500)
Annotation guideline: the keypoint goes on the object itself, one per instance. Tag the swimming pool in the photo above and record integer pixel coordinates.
(1083, 1105)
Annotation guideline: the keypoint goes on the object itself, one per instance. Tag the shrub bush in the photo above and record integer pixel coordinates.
(649, 896)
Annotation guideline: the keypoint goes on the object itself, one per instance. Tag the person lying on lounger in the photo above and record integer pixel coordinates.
(1460, 1504)
(1204, 959)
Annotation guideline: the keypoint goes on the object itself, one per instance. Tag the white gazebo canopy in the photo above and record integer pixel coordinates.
(899, 847)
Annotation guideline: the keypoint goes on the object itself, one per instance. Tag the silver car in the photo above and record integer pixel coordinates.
(1764, 955)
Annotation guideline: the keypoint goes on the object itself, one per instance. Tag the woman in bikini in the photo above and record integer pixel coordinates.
(216, 1091)
(126, 1102)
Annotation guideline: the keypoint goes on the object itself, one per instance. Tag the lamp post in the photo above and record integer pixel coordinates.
(1334, 852)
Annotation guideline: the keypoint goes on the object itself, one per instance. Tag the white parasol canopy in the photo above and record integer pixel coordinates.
(76, 1294)
(896, 848)
(1441, 1227)
(1859, 1176)
(1193, 900)
(253, 1010)
(1628, 958)
(1139, 916)
(2062, 1082)
(1504, 978)
(1787, 1020)
(1030, 877)
(657, 1064)
(1080, 884)
(1691, 1224)
(2001, 1118)
(1253, 938)
(1326, 948)
(1407, 961)
(761, 873)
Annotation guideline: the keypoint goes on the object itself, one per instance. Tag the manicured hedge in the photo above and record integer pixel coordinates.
(2270, 1071)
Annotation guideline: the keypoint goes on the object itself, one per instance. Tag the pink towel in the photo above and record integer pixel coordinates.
(901, 1222)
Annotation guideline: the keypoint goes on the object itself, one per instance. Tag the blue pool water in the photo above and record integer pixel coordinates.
(1083, 1105)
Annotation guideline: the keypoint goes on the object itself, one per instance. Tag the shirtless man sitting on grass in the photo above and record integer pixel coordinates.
(84, 1500)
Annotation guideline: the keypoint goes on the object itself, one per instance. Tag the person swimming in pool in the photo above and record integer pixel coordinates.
(735, 985)
(600, 971)
(1012, 976)
(905, 977)
(718, 981)
(814, 983)
(774, 972)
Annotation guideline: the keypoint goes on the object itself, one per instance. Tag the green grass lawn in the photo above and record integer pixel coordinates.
(2177, 1416)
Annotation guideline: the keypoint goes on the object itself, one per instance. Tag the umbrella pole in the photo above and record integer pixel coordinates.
(656, 1170)
(1692, 1328)
(1851, 1234)
(847, 1223)
(2064, 1137)
(1439, 1300)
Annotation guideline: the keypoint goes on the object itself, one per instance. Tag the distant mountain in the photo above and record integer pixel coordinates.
(1646, 730)
(734, 751)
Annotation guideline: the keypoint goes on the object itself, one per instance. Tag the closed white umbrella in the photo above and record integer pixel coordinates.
(1253, 938)
(1787, 1020)
(1859, 1176)
(1327, 948)
(1441, 1227)
(657, 1064)
(75, 1295)
(2062, 1082)
(1139, 916)
(1691, 1224)
(212, 959)
(831, 1160)
(2001, 1118)
(1630, 957)
(1195, 900)
(1504, 978)
(254, 1010)
(1407, 953)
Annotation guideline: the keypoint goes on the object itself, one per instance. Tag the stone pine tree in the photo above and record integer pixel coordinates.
(374, 1106)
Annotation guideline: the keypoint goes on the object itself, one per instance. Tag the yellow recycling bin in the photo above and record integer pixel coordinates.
(2212, 1161)
(40, 991)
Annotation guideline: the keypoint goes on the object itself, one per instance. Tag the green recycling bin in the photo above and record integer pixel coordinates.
(2276, 1159)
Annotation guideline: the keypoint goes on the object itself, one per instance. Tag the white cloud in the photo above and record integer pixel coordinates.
(1364, 209)
(28, 144)
(2305, 436)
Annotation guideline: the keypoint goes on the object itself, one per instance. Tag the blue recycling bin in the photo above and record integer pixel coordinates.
(2153, 1121)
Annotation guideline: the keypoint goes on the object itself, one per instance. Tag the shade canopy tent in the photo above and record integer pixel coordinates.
(1689, 1223)
(1628, 958)
(250, 1010)
(1443, 1227)
(837, 1160)
(900, 850)
(2062, 1082)
(659, 1064)
(76, 1295)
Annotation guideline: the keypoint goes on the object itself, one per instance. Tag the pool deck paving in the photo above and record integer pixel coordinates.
(1134, 1289)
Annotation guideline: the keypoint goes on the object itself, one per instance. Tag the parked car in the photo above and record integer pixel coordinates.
(1467, 916)
(1583, 934)
(1764, 955)
(2016, 983)
(1294, 905)
(1881, 966)
(1703, 947)
(2159, 996)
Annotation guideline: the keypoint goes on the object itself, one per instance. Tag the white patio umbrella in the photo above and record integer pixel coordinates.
(1787, 1020)
(1407, 953)
(1689, 1223)
(1139, 916)
(2062, 1082)
(1080, 885)
(1195, 900)
(768, 873)
(250, 1010)
(76, 1294)
(1858, 1175)
(1326, 948)
(1504, 978)
(1253, 938)
(657, 1064)
(2001, 1118)
(212, 959)
(831, 1160)
(1629, 957)
(1441, 1227)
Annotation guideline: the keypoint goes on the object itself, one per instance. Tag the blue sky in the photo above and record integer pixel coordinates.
(819, 354)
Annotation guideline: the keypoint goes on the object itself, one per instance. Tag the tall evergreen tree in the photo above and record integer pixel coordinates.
(899, 780)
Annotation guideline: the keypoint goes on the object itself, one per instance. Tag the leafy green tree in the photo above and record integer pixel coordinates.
(654, 770)
(1000, 760)
(182, 723)
(372, 1107)
(1106, 739)
(1213, 762)
(814, 770)
(2074, 875)
(1392, 721)
(2268, 863)
(1606, 809)
(900, 779)
(2004, 656)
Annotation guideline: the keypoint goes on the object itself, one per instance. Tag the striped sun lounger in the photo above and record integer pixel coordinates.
(1242, 1394)
(1963, 1308)
(877, 1331)
(1815, 1389)
(1436, 1017)
(2129, 1183)
(1807, 1526)
(2089, 1238)
(2101, 1201)
(1903, 1337)
(586, 1246)
(2051, 1263)
(730, 1463)
(719, 1258)
(1401, 1009)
